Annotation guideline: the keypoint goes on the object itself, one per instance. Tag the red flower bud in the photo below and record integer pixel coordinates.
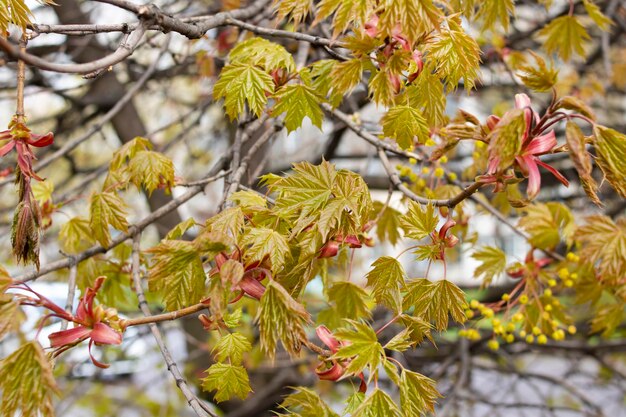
(329, 250)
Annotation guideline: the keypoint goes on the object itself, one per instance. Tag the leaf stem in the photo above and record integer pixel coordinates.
(21, 70)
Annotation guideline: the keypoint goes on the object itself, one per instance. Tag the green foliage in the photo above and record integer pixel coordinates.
(13, 12)
(242, 83)
(418, 223)
(611, 148)
(403, 123)
(414, 17)
(362, 346)
(346, 12)
(75, 235)
(152, 170)
(599, 18)
(281, 318)
(427, 94)
(264, 243)
(27, 383)
(176, 271)
(505, 140)
(106, 209)
(565, 36)
(539, 77)
(298, 101)
(349, 300)
(387, 280)
(228, 381)
(581, 159)
(434, 301)
(307, 403)
(492, 263)
(457, 55)
(546, 223)
(231, 347)
(263, 53)
(378, 404)
(388, 225)
(603, 243)
(418, 393)
(346, 75)
(494, 12)
(297, 10)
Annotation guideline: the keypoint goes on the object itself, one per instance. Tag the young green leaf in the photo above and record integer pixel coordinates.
(546, 223)
(232, 346)
(387, 280)
(363, 347)
(262, 242)
(599, 18)
(564, 35)
(75, 235)
(297, 10)
(106, 209)
(492, 263)
(239, 83)
(418, 393)
(152, 170)
(388, 225)
(611, 149)
(457, 55)
(346, 12)
(492, 12)
(349, 300)
(264, 53)
(434, 301)
(539, 77)
(346, 75)
(281, 318)
(581, 159)
(505, 141)
(27, 383)
(228, 381)
(298, 101)
(403, 124)
(176, 270)
(603, 243)
(378, 404)
(307, 403)
(418, 223)
(413, 18)
(400, 342)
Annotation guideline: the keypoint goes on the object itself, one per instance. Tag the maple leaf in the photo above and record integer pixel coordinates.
(281, 317)
(493, 263)
(349, 300)
(152, 170)
(106, 209)
(346, 12)
(492, 12)
(362, 346)
(346, 75)
(388, 225)
(457, 55)
(228, 222)
(27, 383)
(418, 223)
(599, 18)
(180, 229)
(387, 280)
(128, 151)
(75, 235)
(418, 393)
(539, 77)
(176, 270)
(239, 83)
(401, 341)
(298, 101)
(381, 89)
(228, 381)
(232, 346)
(263, 53)
(414, 18)
(611, 149)
(307, 403)
(546, 223)
(575, 104)
(434, 301)
(564, 35)
(403, 123)
(603, 242)
(262, 242)
(297, 10)
(505, 141)
(581, 159)
(378, 404)
(427, 94)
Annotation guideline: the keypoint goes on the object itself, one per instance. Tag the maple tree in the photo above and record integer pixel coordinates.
(340, 282)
